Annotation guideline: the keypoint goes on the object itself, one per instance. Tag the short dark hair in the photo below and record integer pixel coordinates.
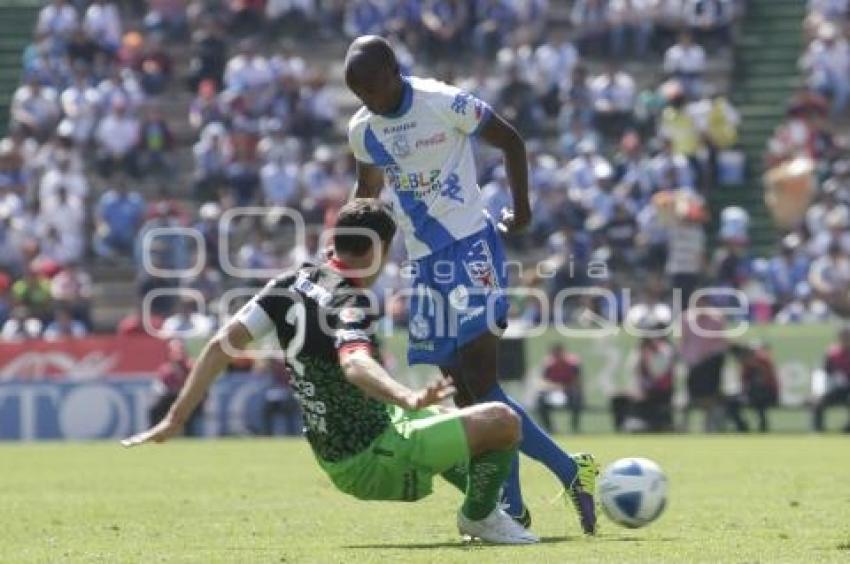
(363, 213)
(367, 56)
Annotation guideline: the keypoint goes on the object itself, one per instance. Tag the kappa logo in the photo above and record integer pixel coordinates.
(479, 265)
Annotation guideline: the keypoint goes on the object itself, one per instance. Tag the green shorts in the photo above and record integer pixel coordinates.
(401, 463)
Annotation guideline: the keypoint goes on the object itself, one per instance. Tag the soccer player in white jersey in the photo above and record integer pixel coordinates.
(415, 136)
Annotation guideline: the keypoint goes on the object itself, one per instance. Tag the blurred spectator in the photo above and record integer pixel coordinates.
(613, 94)
(519, 103)
(445, 23)
(117, 139)
(633, 18)
(80, 103)
(71, 289)
(63, 177)
(280, 179)
(703, 350)
(209, 56)
(710, 20)
(21, 325)
(653, 365)
(134, 324)
(155, 144)
(687, 243)
(279, 402)
(103, 25)
(57, 20)
(66, 214)
(495, 19)
(64, 326)
(826, 62)
(118, 216)
(154, 68)
(759, 385)
(591, 18)
(248, 70)
(787, 270)
(188, 323)
(686, 62)
(837, 386)
(213, 152)
(35, 108)
(170, 377)
(562, 381)
(206, 107)
(33, 292)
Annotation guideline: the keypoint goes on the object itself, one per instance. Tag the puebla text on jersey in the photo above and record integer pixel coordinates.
(316, 313)
(426, 153)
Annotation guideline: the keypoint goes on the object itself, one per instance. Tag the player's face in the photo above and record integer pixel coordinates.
(381, 95)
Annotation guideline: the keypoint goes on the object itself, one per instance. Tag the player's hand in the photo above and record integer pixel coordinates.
(159, 433)
(435, 392)
(513, 222)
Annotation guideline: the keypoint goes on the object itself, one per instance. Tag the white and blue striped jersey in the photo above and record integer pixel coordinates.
(425, 149)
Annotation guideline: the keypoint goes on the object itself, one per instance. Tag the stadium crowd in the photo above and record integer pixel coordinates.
(621, 165)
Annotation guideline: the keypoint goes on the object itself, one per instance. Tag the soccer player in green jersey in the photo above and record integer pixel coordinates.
(375, 438)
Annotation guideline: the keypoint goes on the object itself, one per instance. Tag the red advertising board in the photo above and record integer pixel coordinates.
(81, 359)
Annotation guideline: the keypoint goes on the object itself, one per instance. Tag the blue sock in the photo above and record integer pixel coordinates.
(535, 444)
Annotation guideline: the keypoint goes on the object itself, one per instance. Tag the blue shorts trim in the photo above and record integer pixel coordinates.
(457, 296)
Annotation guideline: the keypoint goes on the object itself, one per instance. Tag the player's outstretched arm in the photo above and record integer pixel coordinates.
(500, 134)
(370, 180)
(215, 357)
(367, 374)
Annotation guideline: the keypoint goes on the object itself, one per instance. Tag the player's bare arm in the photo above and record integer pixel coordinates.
(370, 180)
(212, 361)
(367, 374)
(500, 134)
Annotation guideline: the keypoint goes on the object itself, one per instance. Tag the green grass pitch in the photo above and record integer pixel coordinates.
(733, 499)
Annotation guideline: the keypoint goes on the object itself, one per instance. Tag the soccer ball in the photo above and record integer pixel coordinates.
(633, 492)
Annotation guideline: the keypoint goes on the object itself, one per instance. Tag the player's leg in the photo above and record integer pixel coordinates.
(486, 436)
(477, 373)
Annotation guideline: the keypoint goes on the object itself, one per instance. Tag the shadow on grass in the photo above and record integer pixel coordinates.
(460, 545)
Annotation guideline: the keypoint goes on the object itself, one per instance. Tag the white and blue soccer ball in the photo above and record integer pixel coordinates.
(633, 492)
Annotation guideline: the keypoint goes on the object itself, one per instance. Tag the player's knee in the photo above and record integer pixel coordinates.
(507, 422)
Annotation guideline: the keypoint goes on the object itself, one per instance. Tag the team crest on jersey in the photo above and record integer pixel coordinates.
(479, 265)
(350, 315)
(400, 146)
(418, 327)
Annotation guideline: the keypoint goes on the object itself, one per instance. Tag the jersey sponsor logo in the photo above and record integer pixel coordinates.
(421, 183)
(418, 327)
(310, 290)
(433, 141)
(479, 265)
(344, 336)
(460, 103)
(351, 315)
(421, 346)
(400, 146)
(451, 188)
(399, 128)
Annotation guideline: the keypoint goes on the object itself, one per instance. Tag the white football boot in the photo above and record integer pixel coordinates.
(498, 528)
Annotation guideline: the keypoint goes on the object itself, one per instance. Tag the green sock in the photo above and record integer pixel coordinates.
(487, 474)
(457, 476)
